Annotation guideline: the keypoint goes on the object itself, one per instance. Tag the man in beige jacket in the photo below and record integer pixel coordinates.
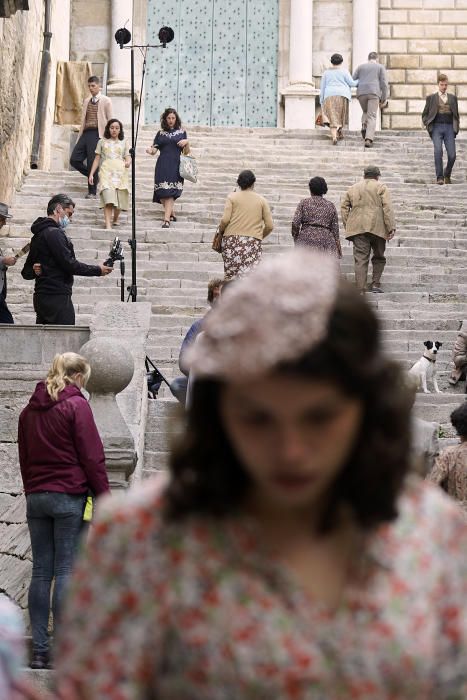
(97, 110)
(369, 222)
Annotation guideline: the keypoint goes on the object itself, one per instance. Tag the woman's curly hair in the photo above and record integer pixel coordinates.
(208, 478)
(165, 114)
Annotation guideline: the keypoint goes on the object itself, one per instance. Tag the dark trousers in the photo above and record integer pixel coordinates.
(85, 151)
(55, 522)
(5, 314)
(363, 245)
(54, 309)
(444, 133)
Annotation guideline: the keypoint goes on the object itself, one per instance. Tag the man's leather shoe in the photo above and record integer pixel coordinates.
(440, 181)
(368, 143)
(447, 180)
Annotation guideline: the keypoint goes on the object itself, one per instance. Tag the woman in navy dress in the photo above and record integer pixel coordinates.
(168, 185)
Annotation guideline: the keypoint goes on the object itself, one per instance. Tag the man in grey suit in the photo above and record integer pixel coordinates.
(372, 92)
(441, 119)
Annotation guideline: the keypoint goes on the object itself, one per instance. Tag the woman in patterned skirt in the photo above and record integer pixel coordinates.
(168, 185)
(246, 221)
(315, 222)
(289, 556)
(335, 96)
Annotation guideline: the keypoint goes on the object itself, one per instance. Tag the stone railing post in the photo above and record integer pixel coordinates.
(112, 368)
(116, 351)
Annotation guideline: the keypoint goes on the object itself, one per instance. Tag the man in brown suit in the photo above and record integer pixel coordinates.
(97, 110)
(368, 217)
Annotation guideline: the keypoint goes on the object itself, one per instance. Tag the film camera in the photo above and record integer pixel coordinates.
(115, 252)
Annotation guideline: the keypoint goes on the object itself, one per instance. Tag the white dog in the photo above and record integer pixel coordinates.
(425, 368)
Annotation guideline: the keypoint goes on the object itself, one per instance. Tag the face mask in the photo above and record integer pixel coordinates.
(64, 221)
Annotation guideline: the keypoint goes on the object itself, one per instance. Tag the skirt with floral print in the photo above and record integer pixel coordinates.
(240, 254)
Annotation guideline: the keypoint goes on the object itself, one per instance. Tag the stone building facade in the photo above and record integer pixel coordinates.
(417, 40)
(251, 53)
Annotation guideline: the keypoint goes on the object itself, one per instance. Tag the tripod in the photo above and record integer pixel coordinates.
(123, 37)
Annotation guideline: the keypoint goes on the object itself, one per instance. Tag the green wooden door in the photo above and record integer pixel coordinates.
(221, 68)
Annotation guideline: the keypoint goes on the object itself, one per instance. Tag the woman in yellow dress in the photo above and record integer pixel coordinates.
(113, 160)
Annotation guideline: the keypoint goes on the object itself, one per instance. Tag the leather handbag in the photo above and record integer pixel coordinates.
(217, 241)
(188, 166)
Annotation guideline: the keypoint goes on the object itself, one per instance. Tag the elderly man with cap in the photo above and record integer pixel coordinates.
(5, 262)
(368, 217)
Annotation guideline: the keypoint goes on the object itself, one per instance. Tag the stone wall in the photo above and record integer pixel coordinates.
(21, 40)
(20, 46)
(418, 39)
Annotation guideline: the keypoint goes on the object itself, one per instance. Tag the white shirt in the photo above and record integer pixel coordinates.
(444, 97)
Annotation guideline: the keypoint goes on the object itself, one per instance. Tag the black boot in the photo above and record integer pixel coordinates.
(40, 660)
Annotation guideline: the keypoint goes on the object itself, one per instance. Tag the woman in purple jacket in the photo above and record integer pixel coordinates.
(61, 458)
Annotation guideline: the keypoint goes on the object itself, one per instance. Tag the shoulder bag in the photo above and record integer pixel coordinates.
(217, 241)
(188, 166)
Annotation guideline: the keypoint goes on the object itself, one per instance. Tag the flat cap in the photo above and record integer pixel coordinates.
(372, 171)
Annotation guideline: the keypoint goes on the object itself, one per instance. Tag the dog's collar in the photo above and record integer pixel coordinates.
(430, 359)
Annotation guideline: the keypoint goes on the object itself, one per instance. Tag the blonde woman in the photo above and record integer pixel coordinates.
(61, 458)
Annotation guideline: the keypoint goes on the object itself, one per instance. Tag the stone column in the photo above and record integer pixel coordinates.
(300, 93)
(118, 85)
(364, 40)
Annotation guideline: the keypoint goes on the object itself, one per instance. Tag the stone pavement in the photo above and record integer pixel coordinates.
(426, 292)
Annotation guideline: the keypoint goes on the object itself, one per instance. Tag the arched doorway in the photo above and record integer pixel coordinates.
(221, 68)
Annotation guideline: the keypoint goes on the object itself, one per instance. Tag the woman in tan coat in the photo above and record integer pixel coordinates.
(246, 221)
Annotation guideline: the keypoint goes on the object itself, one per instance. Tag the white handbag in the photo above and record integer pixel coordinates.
(188, 166)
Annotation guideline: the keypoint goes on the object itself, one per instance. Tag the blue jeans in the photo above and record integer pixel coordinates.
(55, 521)
(444, 133)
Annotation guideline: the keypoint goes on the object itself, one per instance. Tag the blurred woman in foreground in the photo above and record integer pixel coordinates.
(288, 555)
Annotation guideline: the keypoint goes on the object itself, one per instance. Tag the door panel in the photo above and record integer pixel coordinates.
(221, 68)
(229, 57)
(195, 64)
(262, 51)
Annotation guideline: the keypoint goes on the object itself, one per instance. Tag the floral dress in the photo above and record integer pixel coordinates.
(316, 224)
(113, 176)
(167, 180)
(197, 610)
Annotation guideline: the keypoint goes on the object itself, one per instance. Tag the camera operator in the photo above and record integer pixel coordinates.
(52, 263)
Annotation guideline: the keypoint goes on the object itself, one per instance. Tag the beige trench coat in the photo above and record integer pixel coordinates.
(367, 208)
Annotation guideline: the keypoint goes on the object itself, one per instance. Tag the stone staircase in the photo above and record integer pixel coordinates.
(425, 286)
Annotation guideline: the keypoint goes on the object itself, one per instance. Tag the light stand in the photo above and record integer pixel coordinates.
(123, 38)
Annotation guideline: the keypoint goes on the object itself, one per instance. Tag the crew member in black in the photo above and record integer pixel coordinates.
(51, 262)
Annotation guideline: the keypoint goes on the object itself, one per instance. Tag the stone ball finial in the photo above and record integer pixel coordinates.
(112, 365)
